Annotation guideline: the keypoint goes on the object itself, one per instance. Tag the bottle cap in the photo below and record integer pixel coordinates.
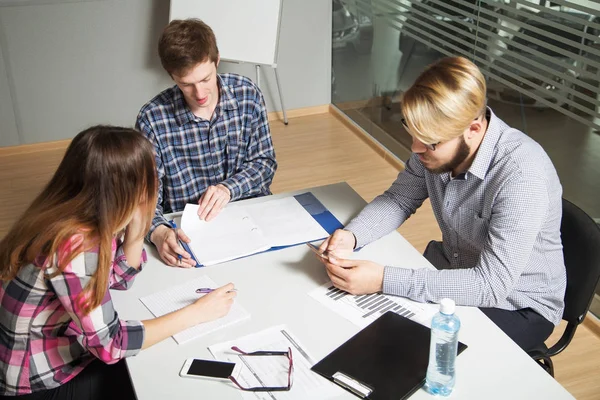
(447, 306)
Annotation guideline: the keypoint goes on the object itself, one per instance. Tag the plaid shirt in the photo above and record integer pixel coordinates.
(500, 223)
(234, 148)
(46, 340)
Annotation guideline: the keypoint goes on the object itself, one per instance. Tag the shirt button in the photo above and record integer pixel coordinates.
(455, 255)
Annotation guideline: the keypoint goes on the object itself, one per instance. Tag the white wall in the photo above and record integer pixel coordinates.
(72, 65)
(9, 135)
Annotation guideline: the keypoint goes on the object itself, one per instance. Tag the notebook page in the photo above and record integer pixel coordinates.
(232, 234)
(177, 297)
(284, 222)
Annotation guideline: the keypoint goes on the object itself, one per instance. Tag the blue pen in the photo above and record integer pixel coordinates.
(174, 226)
(183, 244)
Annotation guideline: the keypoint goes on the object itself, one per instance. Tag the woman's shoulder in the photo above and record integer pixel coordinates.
(78, 255)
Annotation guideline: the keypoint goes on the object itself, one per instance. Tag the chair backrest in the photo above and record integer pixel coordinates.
(581, 249)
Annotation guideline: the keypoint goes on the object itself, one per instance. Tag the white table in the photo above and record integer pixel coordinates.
(273, 288)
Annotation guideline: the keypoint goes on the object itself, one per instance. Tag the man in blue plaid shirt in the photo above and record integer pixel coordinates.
(210, 132)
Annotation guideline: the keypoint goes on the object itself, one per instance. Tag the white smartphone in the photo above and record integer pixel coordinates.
(211, 369)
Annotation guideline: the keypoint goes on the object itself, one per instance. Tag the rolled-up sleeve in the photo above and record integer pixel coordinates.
(122, 274)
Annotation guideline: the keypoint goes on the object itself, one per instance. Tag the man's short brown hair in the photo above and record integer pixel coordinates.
(185, 44)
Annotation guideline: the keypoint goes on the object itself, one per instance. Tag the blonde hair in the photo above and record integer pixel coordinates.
(444, 100)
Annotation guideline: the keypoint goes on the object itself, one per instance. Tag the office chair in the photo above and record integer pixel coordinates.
(581, 249)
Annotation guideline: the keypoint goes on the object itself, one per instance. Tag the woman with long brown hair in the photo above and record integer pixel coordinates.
(81, 236)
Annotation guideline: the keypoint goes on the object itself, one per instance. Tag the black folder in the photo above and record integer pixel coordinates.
(384, 361)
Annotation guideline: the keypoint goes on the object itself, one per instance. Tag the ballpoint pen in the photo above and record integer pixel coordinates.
(174, 227)
(184, 245)
(208, 290)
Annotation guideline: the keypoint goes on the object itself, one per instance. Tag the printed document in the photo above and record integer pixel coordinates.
(272, 370)
(362, 310)
(242, 230)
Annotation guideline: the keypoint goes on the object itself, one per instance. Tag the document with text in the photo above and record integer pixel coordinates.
(362, 310)
(272, 371)
(242, 230)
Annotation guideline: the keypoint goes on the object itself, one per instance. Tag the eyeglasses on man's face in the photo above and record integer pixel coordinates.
(287, 353)
(433, 145)
(428, 146)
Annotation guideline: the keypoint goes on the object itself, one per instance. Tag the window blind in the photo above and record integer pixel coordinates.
(542, 53)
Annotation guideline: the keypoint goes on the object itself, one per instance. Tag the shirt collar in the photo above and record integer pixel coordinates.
(183, 113)
(486, 150)
(227, 100)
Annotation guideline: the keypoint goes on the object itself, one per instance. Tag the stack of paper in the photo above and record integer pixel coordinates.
(259, 371)
(241, 230)
(232, 234)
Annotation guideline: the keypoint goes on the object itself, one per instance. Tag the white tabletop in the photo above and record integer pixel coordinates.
(273, 287)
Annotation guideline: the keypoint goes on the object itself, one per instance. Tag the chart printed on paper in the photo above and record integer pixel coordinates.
(362, 310)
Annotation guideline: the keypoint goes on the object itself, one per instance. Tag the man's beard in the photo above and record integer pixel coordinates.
(462, 152)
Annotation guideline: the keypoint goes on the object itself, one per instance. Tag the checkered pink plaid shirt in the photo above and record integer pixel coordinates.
(45, 339)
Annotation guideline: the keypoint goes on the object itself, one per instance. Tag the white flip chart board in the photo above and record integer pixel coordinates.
(246, 30)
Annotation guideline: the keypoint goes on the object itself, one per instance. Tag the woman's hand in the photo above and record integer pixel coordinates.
(212, 305)
(207, 308)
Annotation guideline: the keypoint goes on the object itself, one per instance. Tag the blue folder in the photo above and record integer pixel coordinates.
(315, 208)
(319, 212)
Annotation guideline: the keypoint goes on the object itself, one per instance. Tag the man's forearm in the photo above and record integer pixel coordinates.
(158, 221)
(254, 180)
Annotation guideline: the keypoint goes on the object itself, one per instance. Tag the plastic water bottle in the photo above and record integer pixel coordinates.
(442, 352)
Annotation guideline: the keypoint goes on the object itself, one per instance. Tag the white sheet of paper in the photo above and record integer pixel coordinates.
(242, 230)
(362, 310)
(307, 384)
(175, 298)
(285, 222)
(232, 234)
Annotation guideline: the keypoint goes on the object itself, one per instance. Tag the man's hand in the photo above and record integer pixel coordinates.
(340, 243)
(356, 277)
(168, 247)
(212, 201)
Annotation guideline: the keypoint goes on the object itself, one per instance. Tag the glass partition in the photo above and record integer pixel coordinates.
(541, 60)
